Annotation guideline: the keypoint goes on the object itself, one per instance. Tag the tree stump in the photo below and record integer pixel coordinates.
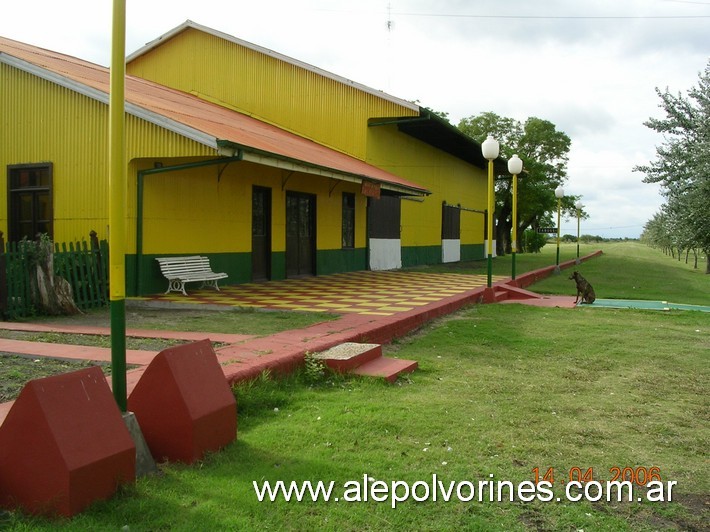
(52, 294)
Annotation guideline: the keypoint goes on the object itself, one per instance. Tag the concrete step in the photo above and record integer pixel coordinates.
(506, 292)
(350, 355)
(386, 368)
(500, 295)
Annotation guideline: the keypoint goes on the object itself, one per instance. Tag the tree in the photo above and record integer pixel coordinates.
(657, 233)
(544, 151)
(682, 167)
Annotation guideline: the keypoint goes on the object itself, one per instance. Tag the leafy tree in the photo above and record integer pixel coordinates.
(544, 151)
(659, 232)
(666, 231)
(682, 167)
(589, 239)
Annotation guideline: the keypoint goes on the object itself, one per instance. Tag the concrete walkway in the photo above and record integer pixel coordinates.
(246, 357)
(133, 333)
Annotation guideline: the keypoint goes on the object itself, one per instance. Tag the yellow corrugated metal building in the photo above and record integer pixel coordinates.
(269, 166)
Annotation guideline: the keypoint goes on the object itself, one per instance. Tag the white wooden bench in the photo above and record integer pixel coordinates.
(181, 270)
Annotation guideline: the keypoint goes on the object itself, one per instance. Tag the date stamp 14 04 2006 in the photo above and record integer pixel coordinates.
(581, 484)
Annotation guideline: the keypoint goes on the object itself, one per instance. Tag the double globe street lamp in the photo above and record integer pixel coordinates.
(490, 149)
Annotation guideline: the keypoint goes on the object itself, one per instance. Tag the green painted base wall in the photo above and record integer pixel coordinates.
(330, 261)
(472, 252)
(423, 255)
(420, 255)
(278, 265)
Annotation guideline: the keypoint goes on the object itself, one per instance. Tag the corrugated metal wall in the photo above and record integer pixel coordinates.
(192, 211)
(43, 122)
(204, 210)
(328, 111)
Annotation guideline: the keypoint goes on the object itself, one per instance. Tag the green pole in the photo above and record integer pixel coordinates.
(117, 201)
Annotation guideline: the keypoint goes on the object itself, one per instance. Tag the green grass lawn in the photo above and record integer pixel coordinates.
(626, 270)
(629, 270)
(502, 390)
(255, 322)
(16, 370)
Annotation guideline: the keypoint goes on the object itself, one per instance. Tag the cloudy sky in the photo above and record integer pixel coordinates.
(590, 67)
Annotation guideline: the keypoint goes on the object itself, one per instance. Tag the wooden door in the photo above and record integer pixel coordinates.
(300, 234)
(261, 234)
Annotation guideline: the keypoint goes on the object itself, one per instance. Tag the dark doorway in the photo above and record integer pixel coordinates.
(451, 222)
(384, 217)
(261, 234)
(300, 234)
(383, 233)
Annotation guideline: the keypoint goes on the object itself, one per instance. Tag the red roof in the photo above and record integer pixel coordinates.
(204, 121)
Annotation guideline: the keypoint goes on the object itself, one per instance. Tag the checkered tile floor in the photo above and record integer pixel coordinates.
(370, 293)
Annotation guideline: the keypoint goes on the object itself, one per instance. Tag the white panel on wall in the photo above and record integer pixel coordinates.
(385, 253)
(451, 250)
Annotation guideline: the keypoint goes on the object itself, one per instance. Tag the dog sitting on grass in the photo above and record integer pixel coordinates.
(584, 289)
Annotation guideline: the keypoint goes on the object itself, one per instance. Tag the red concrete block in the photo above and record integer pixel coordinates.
(387, 368)
(184, 405)
(348, 355)
(64, 445)
(489, 295)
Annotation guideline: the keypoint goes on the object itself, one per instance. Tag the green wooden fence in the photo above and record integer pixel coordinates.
(83, 264)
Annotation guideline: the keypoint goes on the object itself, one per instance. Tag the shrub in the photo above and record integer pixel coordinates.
(533, 241)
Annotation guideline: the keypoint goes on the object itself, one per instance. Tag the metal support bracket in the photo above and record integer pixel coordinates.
(332, 188)
(285, 180)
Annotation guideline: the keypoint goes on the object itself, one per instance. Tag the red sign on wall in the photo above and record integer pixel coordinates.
(370, 189)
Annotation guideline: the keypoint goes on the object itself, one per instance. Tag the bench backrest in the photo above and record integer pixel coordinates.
(184, 265)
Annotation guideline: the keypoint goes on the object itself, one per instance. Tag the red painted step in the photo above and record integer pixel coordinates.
(500, 295)
(349, 355)
(387, 368)
(513, 292)
(364, 359)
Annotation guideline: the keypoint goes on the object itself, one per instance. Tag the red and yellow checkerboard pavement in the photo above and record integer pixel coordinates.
(382, 293)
